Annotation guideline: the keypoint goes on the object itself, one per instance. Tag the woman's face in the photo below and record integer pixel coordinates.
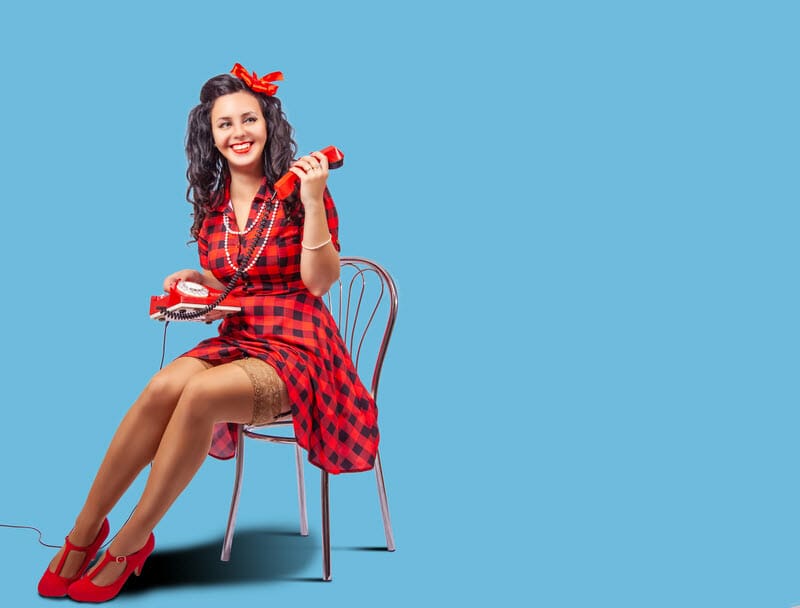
(240, 131)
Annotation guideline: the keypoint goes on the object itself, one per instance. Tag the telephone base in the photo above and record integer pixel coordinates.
(188, 297)
(158, 313)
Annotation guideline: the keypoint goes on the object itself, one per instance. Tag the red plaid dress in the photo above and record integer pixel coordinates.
(282, 323)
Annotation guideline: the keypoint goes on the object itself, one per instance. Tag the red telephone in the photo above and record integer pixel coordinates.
(186, 296)
(285, 186)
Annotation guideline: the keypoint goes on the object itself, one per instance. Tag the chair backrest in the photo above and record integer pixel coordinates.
(364, 305)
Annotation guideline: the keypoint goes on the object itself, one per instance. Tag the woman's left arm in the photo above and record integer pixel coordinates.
(319, 259)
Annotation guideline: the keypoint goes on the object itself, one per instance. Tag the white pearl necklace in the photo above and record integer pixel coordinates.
(263, 244)
(246, 230)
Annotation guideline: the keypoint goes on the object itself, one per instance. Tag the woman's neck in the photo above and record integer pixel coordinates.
(244, 187)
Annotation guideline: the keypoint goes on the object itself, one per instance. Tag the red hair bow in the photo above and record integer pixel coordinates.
(256, 84)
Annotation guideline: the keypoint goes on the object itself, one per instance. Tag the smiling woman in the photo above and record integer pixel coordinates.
(282, 352)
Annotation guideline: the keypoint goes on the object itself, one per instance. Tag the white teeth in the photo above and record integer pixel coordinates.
(240, 147)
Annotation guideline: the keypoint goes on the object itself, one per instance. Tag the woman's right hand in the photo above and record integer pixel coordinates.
(183, 275)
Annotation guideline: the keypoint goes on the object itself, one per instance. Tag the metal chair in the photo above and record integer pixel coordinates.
(356, 306)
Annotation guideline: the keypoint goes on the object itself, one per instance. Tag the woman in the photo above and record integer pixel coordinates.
(281, 353)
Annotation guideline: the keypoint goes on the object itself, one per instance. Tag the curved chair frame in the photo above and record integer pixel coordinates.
(351, 298)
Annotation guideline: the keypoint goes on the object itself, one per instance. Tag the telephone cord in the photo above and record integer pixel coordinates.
(44, 544)
(108, 542)
(20, 527)
(180, 316)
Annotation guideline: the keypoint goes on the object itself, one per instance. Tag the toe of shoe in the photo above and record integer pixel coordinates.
(52, 585)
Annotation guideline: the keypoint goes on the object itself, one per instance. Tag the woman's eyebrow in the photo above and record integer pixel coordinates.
(248, 113)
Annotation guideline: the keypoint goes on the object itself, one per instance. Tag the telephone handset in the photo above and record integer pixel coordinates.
(286, 185)
(189, 298)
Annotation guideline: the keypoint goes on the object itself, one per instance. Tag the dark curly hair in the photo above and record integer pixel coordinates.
(208, 171)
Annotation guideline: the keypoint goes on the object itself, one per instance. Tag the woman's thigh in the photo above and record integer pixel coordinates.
(223, 393)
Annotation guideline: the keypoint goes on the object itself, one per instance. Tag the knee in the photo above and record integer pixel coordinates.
(195, 403)
(161, 394)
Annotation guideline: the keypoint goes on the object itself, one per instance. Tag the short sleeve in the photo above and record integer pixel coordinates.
(333, 219)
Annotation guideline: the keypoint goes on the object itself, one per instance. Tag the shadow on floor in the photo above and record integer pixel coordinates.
(258, 555)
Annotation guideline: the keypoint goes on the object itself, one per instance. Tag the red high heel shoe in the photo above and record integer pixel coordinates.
(52, 584)
(84, 590)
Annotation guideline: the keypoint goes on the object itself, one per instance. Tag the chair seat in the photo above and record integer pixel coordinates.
(279, 420)
(255, 431)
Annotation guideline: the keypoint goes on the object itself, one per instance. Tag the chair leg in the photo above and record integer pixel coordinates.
(387, 522)
(301, 490)
(237, 488)
(326, 529)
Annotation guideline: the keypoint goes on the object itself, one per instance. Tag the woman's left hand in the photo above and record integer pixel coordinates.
(312, 170)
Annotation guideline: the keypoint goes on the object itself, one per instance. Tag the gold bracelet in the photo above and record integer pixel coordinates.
(315, 247)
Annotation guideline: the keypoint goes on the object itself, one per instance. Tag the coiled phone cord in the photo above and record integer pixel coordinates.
(180, 315)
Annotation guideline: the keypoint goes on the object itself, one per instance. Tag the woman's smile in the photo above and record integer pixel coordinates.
(242, 148)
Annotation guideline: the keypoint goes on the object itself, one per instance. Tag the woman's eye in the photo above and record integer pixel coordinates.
(250, 119)
(224, 125)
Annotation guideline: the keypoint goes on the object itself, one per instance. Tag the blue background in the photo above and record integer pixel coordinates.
(591, 213)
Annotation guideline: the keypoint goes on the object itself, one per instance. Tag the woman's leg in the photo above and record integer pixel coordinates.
(133, 446)
(220, 394)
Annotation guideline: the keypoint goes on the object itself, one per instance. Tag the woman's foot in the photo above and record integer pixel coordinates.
(72, 559)
(92, 588)
(105, 574)
(79, 538)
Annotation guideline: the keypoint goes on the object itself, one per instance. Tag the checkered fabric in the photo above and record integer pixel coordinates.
(282, 323)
